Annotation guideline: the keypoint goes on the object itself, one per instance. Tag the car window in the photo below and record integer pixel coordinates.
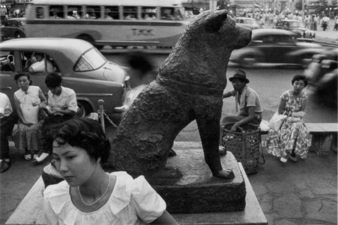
(283, 39)
(36, 62)
(268, 39)
(7, 62)
(90, 60)
(249, 21)
(56, 12)
(39, 13)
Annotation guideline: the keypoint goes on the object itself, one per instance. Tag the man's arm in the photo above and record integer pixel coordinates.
(245, 120)
(228, 94)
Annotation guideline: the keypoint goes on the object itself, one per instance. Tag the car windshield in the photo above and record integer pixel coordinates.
(296, 25)
(249, 21)
(90, 60)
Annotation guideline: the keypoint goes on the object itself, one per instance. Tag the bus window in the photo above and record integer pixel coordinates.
(93, 12)
(56, 12)
(39, 13)
(149, 13)
(171, 14)
(74, 12)
(167, 13)
(130, 12)
(111, 12)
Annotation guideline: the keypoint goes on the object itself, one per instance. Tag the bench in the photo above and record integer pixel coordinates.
(324, 137)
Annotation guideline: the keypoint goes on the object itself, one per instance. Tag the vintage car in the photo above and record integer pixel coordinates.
(12, 28)
(277, 47)
(247, 22)
(297, 27)
(82, 67)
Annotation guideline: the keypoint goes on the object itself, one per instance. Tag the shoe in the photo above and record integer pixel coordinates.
(4, 165)
(172, 153)
(28, 157)
(35, 156)
(41, 158)
(293, 157)
(284, 160)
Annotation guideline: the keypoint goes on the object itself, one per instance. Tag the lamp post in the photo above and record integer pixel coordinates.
(303, 9)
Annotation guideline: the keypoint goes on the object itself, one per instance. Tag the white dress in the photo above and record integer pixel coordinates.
(131, 202)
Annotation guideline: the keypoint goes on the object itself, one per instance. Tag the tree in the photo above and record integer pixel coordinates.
(299, 5)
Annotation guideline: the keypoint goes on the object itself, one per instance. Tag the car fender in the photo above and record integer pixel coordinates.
(305, 51)
(237, 55)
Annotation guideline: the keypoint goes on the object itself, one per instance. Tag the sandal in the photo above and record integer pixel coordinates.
(28, 157)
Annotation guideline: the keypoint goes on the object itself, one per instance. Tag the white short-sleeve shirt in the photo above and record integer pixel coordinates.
(5, 105)
(66, 100)
(131, 202)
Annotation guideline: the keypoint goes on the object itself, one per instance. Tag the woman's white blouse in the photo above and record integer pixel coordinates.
(131, 202)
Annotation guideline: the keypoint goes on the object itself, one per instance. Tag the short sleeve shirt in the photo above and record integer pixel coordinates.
(251, 99)
(131, 202)
(293, 103)
(66, 100)
(5, 105)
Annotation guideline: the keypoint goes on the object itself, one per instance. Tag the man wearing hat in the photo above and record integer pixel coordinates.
(247, 101)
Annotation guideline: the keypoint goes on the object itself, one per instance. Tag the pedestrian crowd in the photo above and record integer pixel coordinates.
(311, 21)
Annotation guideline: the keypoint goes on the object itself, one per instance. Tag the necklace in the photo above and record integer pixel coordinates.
(97, 200)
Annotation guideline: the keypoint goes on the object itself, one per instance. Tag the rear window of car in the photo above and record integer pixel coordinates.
(90, 60)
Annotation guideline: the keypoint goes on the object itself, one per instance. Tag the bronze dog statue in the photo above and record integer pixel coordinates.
(189, 86)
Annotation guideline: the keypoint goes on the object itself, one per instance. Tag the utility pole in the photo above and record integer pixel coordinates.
(212, 5)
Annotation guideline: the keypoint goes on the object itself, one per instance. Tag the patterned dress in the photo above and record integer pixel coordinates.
(293, 133)
(27, 137)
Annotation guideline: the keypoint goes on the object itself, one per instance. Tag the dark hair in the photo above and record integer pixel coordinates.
(18, 75)
(53, 80)
(139, 61)
(299, 77)
(83, 133)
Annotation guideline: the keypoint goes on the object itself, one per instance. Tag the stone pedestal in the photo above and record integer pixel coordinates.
(198, 191)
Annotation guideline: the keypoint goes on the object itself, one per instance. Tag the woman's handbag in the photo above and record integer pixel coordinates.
(276, 121)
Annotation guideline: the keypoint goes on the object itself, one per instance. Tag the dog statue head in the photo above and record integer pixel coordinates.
(202, 53)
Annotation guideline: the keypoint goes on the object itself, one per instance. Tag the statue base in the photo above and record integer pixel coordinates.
(198, 191)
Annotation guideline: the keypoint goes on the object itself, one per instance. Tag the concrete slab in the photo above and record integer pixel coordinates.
(30, 210)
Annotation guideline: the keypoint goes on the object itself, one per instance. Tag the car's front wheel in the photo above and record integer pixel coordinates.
(84, 109)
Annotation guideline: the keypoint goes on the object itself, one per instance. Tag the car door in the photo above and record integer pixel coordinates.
(276, 46)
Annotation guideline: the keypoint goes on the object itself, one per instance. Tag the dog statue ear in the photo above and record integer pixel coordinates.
(215, 21)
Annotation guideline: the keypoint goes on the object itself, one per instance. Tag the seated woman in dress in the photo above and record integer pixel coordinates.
(293, 138)
(89, 195)
(27, 99)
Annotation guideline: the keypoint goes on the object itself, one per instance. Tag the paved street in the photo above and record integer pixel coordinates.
(294, 193)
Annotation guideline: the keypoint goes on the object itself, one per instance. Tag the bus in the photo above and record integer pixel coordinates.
(123, 23)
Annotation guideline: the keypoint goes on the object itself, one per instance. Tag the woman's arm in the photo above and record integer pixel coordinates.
(300, 113)
(43, 100)
(166, 219)
(281, 107)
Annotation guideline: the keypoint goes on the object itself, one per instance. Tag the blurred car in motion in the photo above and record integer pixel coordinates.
(247, 22)
(297, 27)
(12, 28)
(274, 46)
(82, 67)
(322, 74)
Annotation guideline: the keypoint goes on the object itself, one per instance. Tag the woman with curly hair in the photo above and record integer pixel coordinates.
(89, 195)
